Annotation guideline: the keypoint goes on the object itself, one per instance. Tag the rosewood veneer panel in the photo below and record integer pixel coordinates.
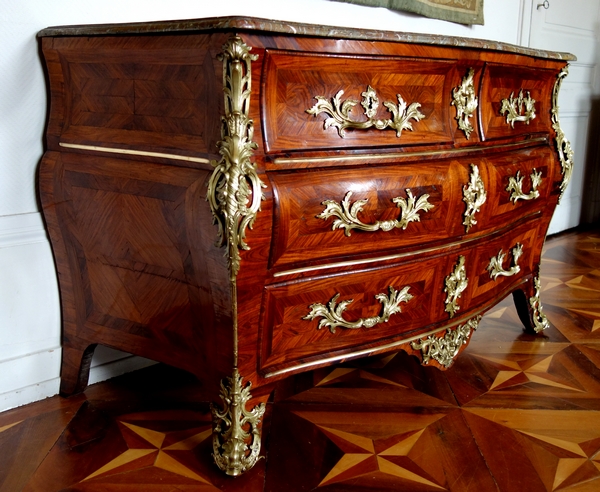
(293, 79)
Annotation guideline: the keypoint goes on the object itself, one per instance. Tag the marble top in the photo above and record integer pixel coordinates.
(284, 27)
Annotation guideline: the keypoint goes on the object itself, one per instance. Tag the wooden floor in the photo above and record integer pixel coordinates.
(515, 413)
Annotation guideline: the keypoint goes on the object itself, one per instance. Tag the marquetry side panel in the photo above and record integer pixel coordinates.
(160, 97)
(140, 257)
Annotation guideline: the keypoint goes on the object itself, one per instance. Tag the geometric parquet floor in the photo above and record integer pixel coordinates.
(515, 413)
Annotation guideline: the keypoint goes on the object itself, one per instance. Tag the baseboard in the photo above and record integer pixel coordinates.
(31, 369)
(16, 230)
(25, 379)
(117, 367)
(29, 394)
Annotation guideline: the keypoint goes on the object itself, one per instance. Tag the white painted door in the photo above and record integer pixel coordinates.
(572, 26)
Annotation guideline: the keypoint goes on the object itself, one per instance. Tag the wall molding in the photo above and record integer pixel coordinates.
(21, 229)
(26, 378)
(32, 370)
(118, 367)
(525, 23)
(29, 394)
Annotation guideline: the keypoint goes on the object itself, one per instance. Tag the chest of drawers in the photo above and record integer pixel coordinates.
(247, 199)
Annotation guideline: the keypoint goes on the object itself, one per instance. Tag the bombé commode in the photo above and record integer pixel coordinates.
(248, 199)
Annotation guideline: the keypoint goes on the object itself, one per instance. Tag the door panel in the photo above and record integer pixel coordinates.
(571, 26)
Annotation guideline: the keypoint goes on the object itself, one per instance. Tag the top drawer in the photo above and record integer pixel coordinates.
(515, 101)
(358, 101)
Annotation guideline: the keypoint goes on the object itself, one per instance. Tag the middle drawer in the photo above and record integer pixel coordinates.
(337, 213)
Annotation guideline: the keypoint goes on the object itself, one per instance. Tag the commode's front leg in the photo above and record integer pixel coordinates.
(529, 306)
(75, 368)
(237, 430)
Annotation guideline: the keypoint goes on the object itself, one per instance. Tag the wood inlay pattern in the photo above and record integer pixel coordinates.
(513, 413)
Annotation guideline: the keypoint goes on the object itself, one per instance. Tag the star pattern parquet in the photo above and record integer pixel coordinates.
(515, 412)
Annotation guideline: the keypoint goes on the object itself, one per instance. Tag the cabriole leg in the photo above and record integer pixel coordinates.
(529, 306)
(75, 368)
(236, 431)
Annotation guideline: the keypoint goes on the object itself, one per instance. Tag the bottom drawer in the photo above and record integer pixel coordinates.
(338, 316)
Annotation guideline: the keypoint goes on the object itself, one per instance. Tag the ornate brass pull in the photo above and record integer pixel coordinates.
(333, 313)
(347, 213)
(339, 113)
(514, 108)
(445, 349)
(456, 284)
(474, 195)
(495, 267)
(515, 186)
(465, 101)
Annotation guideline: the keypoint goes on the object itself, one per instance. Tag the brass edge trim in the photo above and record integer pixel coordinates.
(374, 349)
(368, 260)
(234, 195)
(393, 155)
(234, 426)
(540, 321)
(563, 146)
(234, 188)
(112, 150)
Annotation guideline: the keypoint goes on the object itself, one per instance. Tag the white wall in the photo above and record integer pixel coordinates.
(572, 25)
(29, 309)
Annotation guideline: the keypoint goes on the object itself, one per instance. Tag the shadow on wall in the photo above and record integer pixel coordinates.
(590, 203)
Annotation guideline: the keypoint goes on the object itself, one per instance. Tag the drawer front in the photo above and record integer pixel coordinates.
(491, 268)
(288, 338)
(331, 213)
(515, 101)
(520, 184)
(310, 320)
(397, 101)
(495, 266)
